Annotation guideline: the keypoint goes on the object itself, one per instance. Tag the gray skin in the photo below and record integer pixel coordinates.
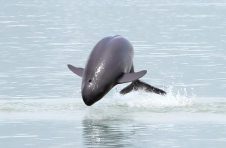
(110, 58)
(110, 63)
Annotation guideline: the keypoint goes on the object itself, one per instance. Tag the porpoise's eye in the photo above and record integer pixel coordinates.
(90, 81)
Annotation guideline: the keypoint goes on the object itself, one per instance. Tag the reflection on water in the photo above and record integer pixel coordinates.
(107, 132)
(114, 133)
(104, 132)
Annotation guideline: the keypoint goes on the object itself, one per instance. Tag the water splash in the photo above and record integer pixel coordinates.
(115, 104)
(141, 99)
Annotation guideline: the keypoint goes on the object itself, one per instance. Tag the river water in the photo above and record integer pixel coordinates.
(182, 45)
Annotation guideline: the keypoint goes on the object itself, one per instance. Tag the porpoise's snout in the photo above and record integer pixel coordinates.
(87, 98)
(90, 95)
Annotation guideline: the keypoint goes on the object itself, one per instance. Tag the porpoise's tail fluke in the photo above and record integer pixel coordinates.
(136, 85)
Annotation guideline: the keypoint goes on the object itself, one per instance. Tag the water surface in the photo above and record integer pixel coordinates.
(181, 44)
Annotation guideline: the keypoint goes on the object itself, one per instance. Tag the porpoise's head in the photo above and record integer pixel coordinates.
(95, 85)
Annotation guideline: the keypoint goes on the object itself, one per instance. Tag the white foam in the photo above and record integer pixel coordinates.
(148, 100)
(136, 103)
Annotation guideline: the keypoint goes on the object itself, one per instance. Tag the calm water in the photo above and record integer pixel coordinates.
(181, 44)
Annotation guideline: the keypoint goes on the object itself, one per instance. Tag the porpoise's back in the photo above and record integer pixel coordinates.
(111, 57)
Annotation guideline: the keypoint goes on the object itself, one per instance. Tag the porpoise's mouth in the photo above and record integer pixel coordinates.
(88, 102)
(90, 99)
